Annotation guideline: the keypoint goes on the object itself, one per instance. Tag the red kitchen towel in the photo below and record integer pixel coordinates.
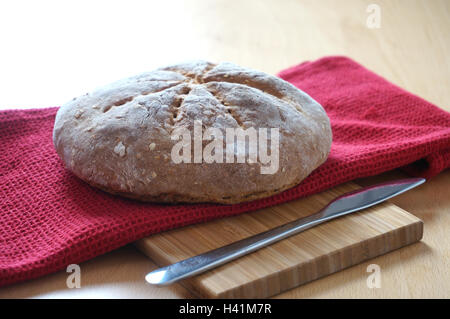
(49, 218)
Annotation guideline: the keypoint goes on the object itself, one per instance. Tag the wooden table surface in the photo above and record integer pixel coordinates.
(75, 47)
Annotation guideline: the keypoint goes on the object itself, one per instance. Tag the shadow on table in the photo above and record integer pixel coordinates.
(350, 281)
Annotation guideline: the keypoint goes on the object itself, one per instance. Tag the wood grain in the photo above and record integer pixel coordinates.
(312, 254)
(410, 49)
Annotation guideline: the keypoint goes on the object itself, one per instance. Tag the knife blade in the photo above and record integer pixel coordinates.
(340, 206)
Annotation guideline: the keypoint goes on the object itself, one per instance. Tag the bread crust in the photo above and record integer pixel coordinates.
(118, 137)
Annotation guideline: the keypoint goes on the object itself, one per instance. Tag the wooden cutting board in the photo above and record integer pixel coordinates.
(312, 254)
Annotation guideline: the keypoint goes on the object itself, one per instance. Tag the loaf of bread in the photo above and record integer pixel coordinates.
(164, 136)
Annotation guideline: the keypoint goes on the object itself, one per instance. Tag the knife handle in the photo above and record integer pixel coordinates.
(222, 255)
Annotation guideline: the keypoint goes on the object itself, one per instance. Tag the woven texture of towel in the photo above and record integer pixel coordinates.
(50, 219)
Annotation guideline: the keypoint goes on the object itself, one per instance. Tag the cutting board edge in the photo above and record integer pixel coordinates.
(417, 227)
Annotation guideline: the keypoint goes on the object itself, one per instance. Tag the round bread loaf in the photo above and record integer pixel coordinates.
(120, 138)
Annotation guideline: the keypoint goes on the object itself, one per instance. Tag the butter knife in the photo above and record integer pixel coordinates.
(342, 205)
